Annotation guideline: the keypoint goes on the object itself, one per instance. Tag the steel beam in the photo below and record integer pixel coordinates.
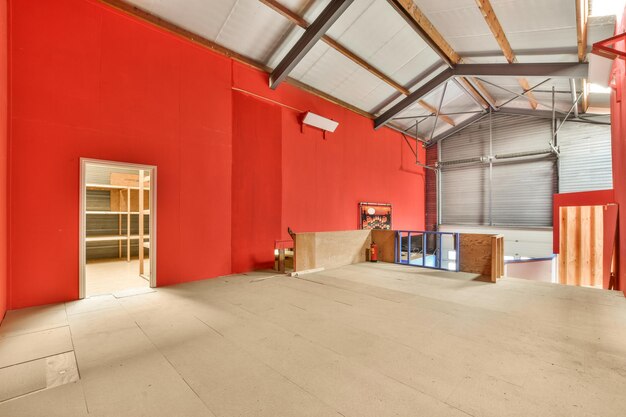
(312, 34)
(405, 103)
(517, 95)
(466, 123)
(552, 70)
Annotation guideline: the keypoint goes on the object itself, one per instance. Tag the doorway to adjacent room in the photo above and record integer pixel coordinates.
(117, 228)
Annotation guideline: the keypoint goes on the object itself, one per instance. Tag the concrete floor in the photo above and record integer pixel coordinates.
(363, 340)
(111, 276)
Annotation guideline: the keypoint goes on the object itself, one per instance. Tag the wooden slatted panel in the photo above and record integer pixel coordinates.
(581, 246)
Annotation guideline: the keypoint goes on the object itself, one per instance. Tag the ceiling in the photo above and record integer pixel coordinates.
(537, 31)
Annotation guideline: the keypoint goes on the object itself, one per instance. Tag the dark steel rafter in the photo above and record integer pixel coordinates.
(551, 70)
(312, 34)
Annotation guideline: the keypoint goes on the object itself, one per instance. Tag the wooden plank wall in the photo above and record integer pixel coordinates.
(581, 246)
(609, 252)
(482, 254)
(386, 242)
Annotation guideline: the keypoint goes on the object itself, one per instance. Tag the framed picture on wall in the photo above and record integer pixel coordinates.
(375, 216)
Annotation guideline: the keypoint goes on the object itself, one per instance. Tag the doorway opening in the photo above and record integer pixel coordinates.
(117, 228)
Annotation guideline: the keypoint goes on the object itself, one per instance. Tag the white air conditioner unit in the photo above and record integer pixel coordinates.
(320, 122)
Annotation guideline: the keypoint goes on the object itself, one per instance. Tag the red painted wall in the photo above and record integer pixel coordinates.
(89, 82)
(618, 132)
(234, 169)
(587, 198)
(4, 148)
(256, 182)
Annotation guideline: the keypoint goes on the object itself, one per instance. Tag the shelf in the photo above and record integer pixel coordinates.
(112, 237)
(111, 212)
(146, 212)
(112, 187)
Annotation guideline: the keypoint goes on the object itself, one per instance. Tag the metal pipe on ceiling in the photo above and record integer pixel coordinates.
(474, 99)
(490, 160)
(425, 116)
(443, 94)
(572, 84)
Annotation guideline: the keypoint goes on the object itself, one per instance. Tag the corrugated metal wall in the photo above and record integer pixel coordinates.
(585, 157)
(522, 188)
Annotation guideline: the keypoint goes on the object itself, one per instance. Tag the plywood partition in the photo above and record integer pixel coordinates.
(386, 242)
(609, 251)
(482, 254)
(330, 249)
(581, 245)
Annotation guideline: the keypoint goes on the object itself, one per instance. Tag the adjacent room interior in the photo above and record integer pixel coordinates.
(117, 232)
(365, 208)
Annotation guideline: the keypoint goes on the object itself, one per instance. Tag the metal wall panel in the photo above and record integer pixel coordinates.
(464, 195)
(522, 188)
(585, 157)
(522, 192)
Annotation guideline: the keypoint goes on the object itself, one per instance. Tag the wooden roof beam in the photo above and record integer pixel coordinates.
(433, 110)
(412, 13)
(496, 28)
(582, 14)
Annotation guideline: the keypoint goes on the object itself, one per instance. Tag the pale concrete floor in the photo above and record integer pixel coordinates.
(110, 276)
(363, 340)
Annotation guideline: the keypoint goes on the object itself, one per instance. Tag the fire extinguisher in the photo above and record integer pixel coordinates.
(373, 252)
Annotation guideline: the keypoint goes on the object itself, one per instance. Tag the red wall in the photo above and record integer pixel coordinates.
(3, 156)
(618, 132)
(234, 170)
(256, 182)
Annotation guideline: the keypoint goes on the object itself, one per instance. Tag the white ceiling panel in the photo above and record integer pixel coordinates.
(202, 17)
(532, 24)
(461, 23)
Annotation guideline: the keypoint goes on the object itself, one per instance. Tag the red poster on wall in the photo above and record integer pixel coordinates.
(375, 216)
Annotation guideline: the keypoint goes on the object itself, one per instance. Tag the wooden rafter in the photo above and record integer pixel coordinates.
(298, 20)
(496, 28)
(418, 17)
(483, 90)
(582, 14)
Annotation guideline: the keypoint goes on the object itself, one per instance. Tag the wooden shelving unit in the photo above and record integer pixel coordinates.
(121, 195)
